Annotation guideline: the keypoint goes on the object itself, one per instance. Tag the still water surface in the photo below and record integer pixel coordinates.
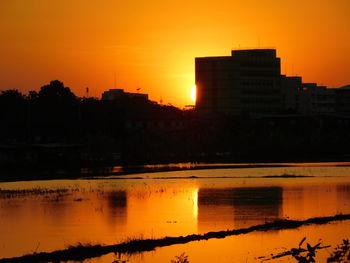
(50, 215)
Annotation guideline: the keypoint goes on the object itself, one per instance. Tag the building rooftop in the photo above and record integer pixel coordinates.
(345, 87)
(245, 52)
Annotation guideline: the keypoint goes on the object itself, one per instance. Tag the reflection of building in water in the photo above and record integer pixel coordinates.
(157, 211)
(306, 201)
(293, 202)
(229, 208)
(116, 207)
(343, 198)
(215, 209)
(258, 205)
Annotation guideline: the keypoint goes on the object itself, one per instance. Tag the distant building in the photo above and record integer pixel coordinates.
(247, 82)
(116, 94)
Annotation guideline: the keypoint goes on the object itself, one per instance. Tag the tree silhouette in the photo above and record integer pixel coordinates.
(33, 96)
(11, 95)
(55, 112)
(12, 114)
(56, 92)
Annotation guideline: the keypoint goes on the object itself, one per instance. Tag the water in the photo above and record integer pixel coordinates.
(50, 215)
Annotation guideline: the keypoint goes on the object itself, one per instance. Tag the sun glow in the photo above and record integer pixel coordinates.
(193, 93)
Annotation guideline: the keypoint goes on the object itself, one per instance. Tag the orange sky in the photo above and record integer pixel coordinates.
(152, 44)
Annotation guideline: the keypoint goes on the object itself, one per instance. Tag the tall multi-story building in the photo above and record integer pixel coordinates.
(247, 82)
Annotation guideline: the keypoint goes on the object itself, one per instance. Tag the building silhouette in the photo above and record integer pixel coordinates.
(342, 99)
(249, 82)
(316, 99)
(238, 207)
(117, 94)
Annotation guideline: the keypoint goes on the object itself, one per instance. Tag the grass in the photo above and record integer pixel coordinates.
(341, 253)
(180, 259)
(17, 193)
(307, 254)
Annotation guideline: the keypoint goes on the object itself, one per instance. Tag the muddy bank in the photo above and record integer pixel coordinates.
(82, 252)
(11, 175)
(119, 171)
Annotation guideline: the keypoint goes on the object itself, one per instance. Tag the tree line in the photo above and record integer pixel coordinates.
(136, 130)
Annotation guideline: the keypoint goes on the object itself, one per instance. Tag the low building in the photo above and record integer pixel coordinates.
(116, 94)
(342, 97)
(314, 99)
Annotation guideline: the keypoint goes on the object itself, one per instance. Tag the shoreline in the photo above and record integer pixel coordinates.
(17, 175)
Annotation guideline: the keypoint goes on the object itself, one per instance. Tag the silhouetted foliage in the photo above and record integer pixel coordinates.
(183, 258)
(307, 254)
(56, 92)
(33, 96)
(13, 115)
(53, 113)
(11, 96)
(341, 253)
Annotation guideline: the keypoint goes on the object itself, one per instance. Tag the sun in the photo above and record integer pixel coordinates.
(193, 93)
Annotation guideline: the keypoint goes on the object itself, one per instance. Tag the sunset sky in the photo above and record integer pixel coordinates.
(152, 44)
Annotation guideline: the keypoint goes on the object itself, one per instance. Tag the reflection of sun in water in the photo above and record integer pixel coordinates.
(193, 93)
(195, 203)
